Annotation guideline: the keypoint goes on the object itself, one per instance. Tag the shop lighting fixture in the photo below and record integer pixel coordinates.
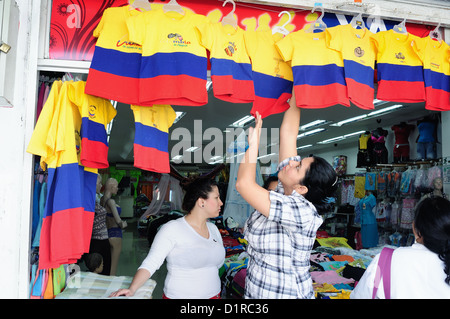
(192, 149)
(179, 116)
(369, 115)
(243, 121)
(312, 132)
(386, 109)
(177, 157)
(304, 146)
(262, 156)
(340, 138)
(312, 124)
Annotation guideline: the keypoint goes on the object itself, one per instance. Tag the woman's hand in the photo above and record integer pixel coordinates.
(122, 292)
(254, 133)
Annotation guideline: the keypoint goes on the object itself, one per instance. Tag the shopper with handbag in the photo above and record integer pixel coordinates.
(419, 271)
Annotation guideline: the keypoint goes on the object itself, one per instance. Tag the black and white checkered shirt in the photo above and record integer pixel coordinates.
(279, 246)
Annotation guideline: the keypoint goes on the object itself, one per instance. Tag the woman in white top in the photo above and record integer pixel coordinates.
(191, 245)
(422, 270)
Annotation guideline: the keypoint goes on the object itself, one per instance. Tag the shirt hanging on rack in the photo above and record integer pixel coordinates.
(174, 64)
(231, 69)
(272, 76)
(318, 71)
(358, 53)
(399, 69)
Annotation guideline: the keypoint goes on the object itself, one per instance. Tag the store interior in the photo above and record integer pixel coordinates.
(335, 133)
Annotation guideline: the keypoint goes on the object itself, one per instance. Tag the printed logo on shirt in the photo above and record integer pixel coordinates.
(178, 40)
(435, 66)
(128, 44)
(400, 56)
(230, 48)
(358, 52)
(92, 109)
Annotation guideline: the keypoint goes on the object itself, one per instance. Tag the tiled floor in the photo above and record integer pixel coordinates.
(134, 250)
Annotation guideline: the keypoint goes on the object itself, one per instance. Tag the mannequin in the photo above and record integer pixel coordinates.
(437, 189)
(426, 141)
(113, 222)
(380, 152)
(401, 147)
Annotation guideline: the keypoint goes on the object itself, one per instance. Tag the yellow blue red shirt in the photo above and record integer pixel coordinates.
(174, 64)
(399, 68)
(318, 71)
(358, 54)
(272, 76)
(231, 69)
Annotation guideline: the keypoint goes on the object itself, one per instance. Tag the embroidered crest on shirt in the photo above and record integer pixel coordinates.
(230, 48)
(400, 56)
(178, 40)
(358, 52)
(92, 109)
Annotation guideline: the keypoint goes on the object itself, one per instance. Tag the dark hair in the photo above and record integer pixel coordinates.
(432, 223)
(321, 180)
(270, 179)
(93, 261)
(199, 188)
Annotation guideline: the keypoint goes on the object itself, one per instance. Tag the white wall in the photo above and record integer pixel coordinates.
(16, 126)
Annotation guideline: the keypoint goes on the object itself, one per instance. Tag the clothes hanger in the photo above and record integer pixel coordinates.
(401, 28)
(358, 21)
(318, 25)
(435, 34)
(230, 18)
(173, 6)
(282, 29)
(140, 4)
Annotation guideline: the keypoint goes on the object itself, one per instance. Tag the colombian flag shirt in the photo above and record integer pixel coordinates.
(358, 53)
(435, 56)
(174, 63)
(70, 203)
(399, 68)
(116, 63)
(151, 139)
(272, 76)
(231, 70)
(318, 71)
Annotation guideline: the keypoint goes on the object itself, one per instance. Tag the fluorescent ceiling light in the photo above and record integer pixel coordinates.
(177, 157)
(312, 124)
(215, 158)
(386, 109)
(350, 120)
(312, 132)
(377, 102)
(192, 149)
(353, 134)
(243, 121)
(178, 117)
(339, 138)
(262, 156)
(304, 146)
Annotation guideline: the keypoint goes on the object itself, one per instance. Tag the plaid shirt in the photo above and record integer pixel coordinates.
(279, 246)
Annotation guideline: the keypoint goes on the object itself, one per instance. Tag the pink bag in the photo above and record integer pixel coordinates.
(384, 271)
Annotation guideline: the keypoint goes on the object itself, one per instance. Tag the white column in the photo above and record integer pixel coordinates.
(16, 127)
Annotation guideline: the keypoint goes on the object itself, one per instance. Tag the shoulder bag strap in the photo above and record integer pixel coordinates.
(383, 271)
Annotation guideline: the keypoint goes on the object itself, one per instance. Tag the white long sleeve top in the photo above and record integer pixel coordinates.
(416, 273)
(193, 261)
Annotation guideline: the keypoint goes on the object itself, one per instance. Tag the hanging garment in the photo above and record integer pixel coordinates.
(318, 71)
(435, 56)
(399, 68)
(407, 216)
(358, 53)
(379, 151)
(96, 113)
(371, 182)
(174, 63)
(365, 146)
(231, 69)
(272, 76)
(69, 208)
(401, 146)
(151, 137)
(116, 63)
